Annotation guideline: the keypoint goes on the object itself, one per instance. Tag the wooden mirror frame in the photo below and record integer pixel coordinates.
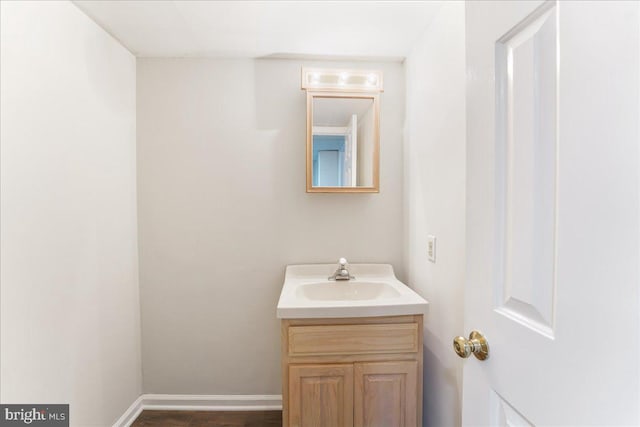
(376, 143)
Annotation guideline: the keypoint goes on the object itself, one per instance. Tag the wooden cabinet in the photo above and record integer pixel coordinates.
(386, 394)
(352, 372)
(321, 395)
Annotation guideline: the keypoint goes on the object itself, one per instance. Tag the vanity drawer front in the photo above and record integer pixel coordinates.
(320, 340)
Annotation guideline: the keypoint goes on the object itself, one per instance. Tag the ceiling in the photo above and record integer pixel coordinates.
(338, 111)
(234, 29)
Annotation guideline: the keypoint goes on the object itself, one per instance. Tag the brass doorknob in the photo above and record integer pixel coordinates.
(476, 344)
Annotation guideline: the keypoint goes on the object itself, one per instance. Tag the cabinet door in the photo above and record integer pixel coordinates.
(386, 394)
(321, 395)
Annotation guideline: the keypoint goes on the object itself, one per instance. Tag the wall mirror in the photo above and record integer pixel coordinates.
(343, 142)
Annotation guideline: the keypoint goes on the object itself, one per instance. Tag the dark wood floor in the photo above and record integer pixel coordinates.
(209, 419)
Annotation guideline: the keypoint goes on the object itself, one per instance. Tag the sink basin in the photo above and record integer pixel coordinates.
(347, 291)
(375, 291)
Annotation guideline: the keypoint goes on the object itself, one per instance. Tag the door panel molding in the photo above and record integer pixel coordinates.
(526, 170)
(504, 414)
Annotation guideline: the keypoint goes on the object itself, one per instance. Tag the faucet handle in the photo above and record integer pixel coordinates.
(342, 262)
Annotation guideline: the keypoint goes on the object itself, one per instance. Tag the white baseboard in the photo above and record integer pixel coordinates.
(130, 414)
(192, 402)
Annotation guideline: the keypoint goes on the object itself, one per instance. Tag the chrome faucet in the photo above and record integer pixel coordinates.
(341, 273)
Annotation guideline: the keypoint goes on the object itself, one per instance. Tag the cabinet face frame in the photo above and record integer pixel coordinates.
(288, 359)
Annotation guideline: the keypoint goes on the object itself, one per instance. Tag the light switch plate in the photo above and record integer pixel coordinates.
(431, 247)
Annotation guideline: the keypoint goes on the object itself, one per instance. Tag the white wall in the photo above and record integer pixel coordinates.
(435, 202)
(69, 306)
(223, 209)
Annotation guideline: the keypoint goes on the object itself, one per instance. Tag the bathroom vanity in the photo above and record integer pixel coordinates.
(352, 349)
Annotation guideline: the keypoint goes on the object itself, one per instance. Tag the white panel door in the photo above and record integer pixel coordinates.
(350, 173)
(553, 218)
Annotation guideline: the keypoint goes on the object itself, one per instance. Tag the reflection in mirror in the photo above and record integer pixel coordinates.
(341, 80)
(344, 142)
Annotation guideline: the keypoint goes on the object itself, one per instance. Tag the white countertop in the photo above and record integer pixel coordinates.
(375, 291)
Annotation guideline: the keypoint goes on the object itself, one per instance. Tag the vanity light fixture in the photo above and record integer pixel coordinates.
(341, 80)
(343, 130)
